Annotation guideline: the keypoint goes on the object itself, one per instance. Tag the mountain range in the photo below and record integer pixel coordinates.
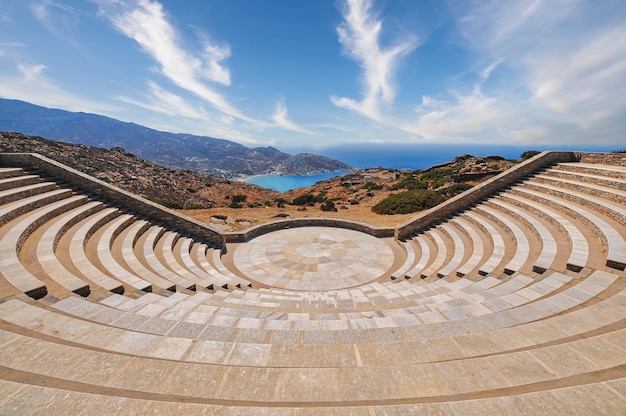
(208, 155)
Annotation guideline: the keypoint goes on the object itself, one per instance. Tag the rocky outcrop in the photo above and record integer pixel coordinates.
(174, 188)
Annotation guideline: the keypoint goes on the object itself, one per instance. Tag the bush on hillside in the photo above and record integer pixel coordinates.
(408, 202)
(236, 200)
(168, 203)
(529, 153)
(309, 199)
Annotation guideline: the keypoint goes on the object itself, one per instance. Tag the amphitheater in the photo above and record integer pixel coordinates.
(507, 299)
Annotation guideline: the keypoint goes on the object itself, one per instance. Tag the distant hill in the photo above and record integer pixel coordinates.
(175, 188)
(203, 154)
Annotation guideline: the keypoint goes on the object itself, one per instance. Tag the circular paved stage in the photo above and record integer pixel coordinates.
(314, 258)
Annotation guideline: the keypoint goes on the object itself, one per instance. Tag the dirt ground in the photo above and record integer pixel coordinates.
(243, 218)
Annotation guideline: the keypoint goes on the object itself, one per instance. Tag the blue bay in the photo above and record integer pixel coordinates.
(284, 183)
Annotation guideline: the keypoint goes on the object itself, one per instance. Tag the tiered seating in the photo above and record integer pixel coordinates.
(518, 310)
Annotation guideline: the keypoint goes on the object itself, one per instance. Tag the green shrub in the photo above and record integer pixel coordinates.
(453, 190)
(236, 200)
(328, 206)
(529, 153)
(309, 199)
(408, 201)
(168, 203)
(409, 183)
(371, 186)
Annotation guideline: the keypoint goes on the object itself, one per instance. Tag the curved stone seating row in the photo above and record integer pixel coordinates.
(478, 249)
(458, 254)
(129, 239)
(609, 193)
(613, 210)
(473, 373)
(541, 227)
(100, 250)
(47, 244)
(563, 171)
(598, 398)
(16, 232)
(110, 263)
(452, 341)
(521, 254)
(22, 192)
(548, 243)
(424, 259)
(516, 297)
(18, 181)
(497, 340)
(78, 256)
(612, 239)
(216, 261)
(411, 255)
(579, 253)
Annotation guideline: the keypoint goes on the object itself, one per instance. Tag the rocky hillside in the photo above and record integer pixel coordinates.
(208, 155)
(172, 187)
(361, 195)
(375, 185)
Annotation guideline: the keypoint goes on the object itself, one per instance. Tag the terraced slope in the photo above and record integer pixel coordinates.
(512, 305)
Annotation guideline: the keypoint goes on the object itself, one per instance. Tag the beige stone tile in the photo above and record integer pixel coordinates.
(169, 348)
(250, 354)
(212, 352)
(249, 383)
(307, 385)
(520, 368)
(142, 374)
(193, 380)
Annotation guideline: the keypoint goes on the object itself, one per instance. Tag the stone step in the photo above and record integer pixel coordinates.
(595, 169)
(13, 236)
(79, 258)
(611, 237)
(11, 172)
(522, 245)
(109, 263)
(549, 248)
(129, 238)
(579, 254)
(18, 181)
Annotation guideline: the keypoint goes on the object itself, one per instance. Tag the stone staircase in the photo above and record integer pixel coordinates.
(513, 305)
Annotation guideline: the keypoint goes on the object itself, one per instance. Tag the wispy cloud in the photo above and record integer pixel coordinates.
(166, 102)
(281, 119)
(558, 71)
(59, 19)
(360, 37)
(146, 22)
(30, 84)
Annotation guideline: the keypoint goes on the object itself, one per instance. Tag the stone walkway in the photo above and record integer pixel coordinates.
(313, 258)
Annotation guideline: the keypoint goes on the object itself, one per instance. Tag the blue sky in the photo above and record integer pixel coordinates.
(317, 73)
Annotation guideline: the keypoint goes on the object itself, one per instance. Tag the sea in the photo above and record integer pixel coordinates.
(397, 156)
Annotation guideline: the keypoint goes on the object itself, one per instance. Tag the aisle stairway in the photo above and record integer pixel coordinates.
(515, 305)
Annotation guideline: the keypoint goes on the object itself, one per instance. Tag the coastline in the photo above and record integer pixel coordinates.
(282, 183)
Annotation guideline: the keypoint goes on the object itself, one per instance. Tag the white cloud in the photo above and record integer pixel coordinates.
(359, 36)
(166, 102)
(31, 84)
(146, 22)
(281, 119)
(556, 70)
(464, 117)
(59, 19)
(583, 85)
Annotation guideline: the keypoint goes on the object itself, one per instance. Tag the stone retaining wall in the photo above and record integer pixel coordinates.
(240, 237)
(480, 192)
(617, 159)
(118, 197)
